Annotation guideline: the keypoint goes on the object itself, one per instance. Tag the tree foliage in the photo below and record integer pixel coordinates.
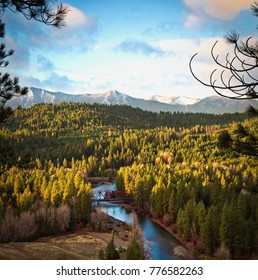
(39, 10)
(242, 139)
(175, 173)
(9, 87)
(133, 251)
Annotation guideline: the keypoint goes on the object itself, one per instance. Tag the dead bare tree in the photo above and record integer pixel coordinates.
(236, 77)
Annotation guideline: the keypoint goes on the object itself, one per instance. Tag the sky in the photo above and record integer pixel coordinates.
(138, 47)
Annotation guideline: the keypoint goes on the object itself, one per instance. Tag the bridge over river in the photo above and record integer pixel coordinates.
(113, 196)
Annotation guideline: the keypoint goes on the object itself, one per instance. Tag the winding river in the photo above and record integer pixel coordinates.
(163, 246)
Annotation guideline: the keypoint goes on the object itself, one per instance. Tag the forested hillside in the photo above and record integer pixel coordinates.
(70, 130)
(169, 163)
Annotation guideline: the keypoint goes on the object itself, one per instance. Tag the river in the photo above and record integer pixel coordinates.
(163, 245)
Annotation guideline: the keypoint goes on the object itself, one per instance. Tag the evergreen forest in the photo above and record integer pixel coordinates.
(171, 164)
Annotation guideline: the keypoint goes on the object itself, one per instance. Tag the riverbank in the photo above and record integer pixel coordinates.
(181, 248)
(184, 249)
(188, 247)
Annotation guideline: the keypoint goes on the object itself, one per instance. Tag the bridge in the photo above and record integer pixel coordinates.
(114, 200)
(108, 197)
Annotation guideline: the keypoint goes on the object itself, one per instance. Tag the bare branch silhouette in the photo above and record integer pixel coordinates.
(237, 75)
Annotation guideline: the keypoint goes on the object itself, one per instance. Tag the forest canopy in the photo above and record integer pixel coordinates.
(170, 164)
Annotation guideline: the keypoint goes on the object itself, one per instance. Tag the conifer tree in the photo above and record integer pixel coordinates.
(210, 230)
(200, 213)
(8, 88)
(39, 10)
(172, 210)
(111, 253)
(133, 251)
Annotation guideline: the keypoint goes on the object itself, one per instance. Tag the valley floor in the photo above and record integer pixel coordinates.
(80, 245)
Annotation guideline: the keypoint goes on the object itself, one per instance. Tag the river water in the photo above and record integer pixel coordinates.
(163, 246)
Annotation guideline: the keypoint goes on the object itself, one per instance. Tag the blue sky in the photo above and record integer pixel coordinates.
(141, 48)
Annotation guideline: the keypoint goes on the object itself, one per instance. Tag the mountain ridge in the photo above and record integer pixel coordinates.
(213, 104)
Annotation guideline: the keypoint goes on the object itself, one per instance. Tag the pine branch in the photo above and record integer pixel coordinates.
(39, 10)
(252, 112)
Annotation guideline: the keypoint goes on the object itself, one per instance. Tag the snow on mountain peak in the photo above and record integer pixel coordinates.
(157, 103)
(47, 97)
(115, 97)
(175, 100)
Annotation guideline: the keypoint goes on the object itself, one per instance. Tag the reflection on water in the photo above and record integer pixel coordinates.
(117, 212)
(160, 242)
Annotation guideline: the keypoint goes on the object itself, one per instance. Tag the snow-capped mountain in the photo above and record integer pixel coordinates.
(182, 100)
(111, 97)
(213, 104)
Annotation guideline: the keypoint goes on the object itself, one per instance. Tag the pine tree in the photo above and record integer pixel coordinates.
(133, 251)
(226, 228)
(9, 87)
(210, 230)
(101, 254)
(111, 253)
(200, 214)
(39, 10)
(172, 210)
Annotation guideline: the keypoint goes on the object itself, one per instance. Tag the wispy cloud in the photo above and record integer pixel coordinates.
(77, 35)
(44, 64)
(193, 20)
(164, 27)
(21, 57)
(37, 45)
(140, 47)
(56, 81)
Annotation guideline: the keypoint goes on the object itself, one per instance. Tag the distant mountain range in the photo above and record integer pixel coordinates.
(157, 103)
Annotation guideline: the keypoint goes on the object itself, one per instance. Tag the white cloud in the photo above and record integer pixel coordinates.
(227, 9)
(143, 77)
(140, 76)
(194, 3)
(221, 9)
(76, 18)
